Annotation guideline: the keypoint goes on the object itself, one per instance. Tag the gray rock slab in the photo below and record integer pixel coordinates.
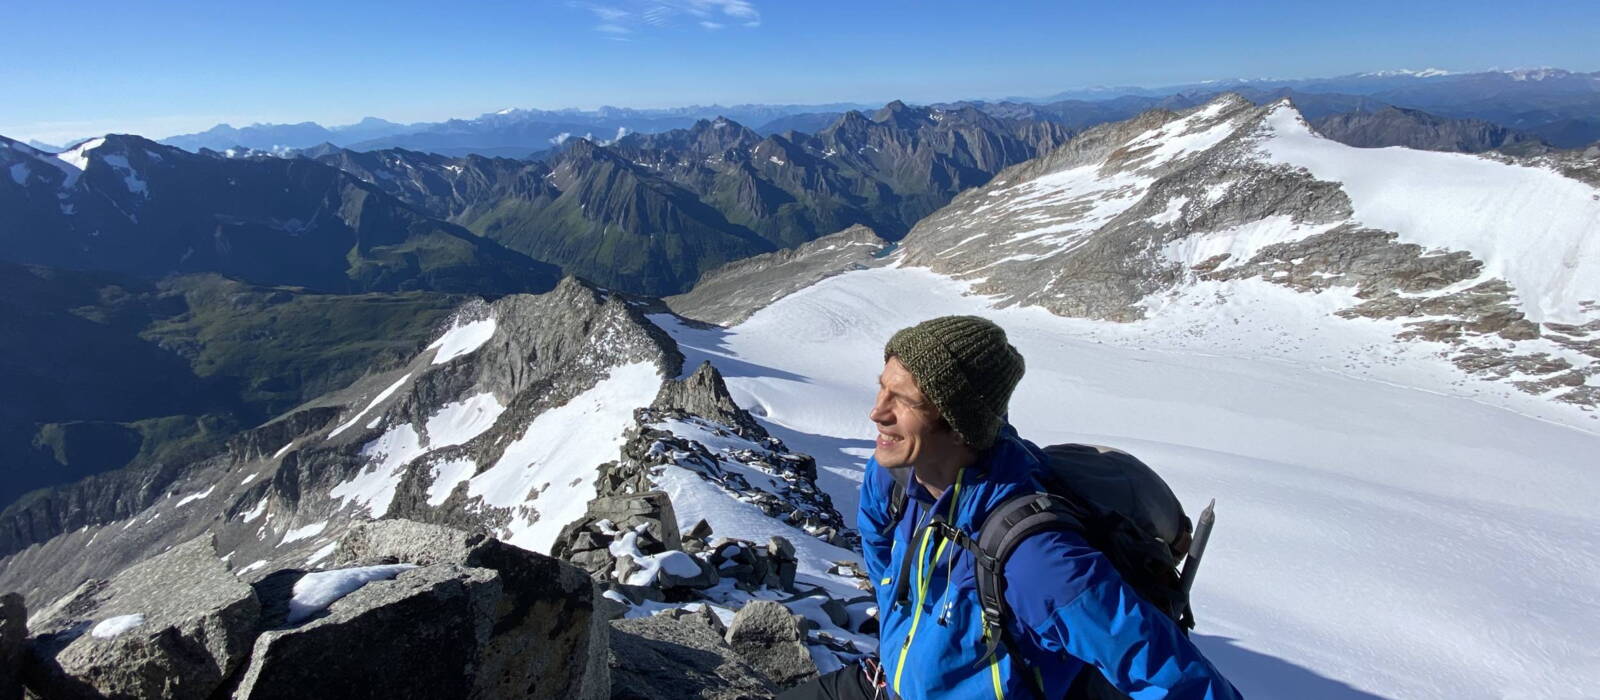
(549, 599)
(418, 635)
(173, 626)
(662, 658)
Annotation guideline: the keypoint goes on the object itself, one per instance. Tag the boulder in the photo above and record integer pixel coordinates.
(700, 613)
(663, 658)
(769, 637)
(668, 579)
(13, 633)
(173, 626)
(542, 599)
(426, 633)
(700, 531)
(784, 563)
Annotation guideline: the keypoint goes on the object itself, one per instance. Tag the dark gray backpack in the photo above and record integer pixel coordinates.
(1111, 499)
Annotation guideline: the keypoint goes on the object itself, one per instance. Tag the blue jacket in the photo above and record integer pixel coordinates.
(1068, 606)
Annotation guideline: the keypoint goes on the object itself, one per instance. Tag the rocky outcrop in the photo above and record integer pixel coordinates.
(545, 635)
(419, 635)
(1411, 128)
(402, 443)
(425, 611)
(1130, 214)
(705, 395)
(769, 637)
(730, 294)
(175, 626)
(663, 658)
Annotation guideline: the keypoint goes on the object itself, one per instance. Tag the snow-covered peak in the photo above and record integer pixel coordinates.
(78, 156)
(1536, 74)
(1407, 72)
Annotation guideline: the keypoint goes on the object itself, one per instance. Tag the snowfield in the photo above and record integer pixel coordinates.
(1386, 526)
(1519, 220)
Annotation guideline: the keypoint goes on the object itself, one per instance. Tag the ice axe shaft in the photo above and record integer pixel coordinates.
(1202, 533)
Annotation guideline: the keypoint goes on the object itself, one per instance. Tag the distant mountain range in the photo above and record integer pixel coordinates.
(649, 213)
(1557, 106)
(128, 205)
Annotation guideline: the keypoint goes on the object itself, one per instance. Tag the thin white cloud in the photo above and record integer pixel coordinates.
(625, 17)
(738, 9)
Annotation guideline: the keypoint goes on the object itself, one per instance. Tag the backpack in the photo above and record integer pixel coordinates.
(1117, 503)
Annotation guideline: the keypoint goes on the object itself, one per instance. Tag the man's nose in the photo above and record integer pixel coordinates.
(880, 412)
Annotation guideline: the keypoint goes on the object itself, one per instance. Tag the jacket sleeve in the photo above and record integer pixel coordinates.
(872, 520)
(1067, 597)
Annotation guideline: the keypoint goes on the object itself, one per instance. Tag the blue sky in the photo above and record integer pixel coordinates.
(72, 69)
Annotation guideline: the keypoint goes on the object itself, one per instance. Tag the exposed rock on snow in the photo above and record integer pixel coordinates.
(175, 626)
(769, 637)
(729, 294)
(1489, 256)
(705, 394)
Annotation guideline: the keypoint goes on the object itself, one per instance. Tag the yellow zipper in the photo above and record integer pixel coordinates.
(922, 583)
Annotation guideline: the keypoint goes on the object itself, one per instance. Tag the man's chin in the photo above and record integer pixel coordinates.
(889, 460)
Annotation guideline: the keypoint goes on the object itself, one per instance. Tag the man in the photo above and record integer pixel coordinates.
(940, 410)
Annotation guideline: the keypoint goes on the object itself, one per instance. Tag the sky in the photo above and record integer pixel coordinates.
(88, 67)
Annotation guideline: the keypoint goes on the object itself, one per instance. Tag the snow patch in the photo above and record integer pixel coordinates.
(301, 533)
(314, 592)
(113, 626)
(375, 401)
(261, 507)
(1240, 243)
(130, 177)
(446, 476)
(195, 497)
(458, 422)
(375, 484)
(461, 340)
(547, 474)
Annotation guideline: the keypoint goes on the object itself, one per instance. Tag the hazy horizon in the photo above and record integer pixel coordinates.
(162, 69)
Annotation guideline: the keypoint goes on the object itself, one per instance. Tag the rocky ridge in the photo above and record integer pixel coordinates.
(545, 423)
(1129, 212)
(129, 205)
(731, 293)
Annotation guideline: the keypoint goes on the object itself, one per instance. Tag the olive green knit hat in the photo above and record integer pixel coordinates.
(965, 366)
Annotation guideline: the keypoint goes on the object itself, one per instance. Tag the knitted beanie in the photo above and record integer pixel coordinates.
(964, 365)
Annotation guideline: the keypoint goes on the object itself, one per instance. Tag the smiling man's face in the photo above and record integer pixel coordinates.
(909, 428)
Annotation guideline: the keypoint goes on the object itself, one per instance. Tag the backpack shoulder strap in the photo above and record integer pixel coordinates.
(898, 495)
(1014, 520)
